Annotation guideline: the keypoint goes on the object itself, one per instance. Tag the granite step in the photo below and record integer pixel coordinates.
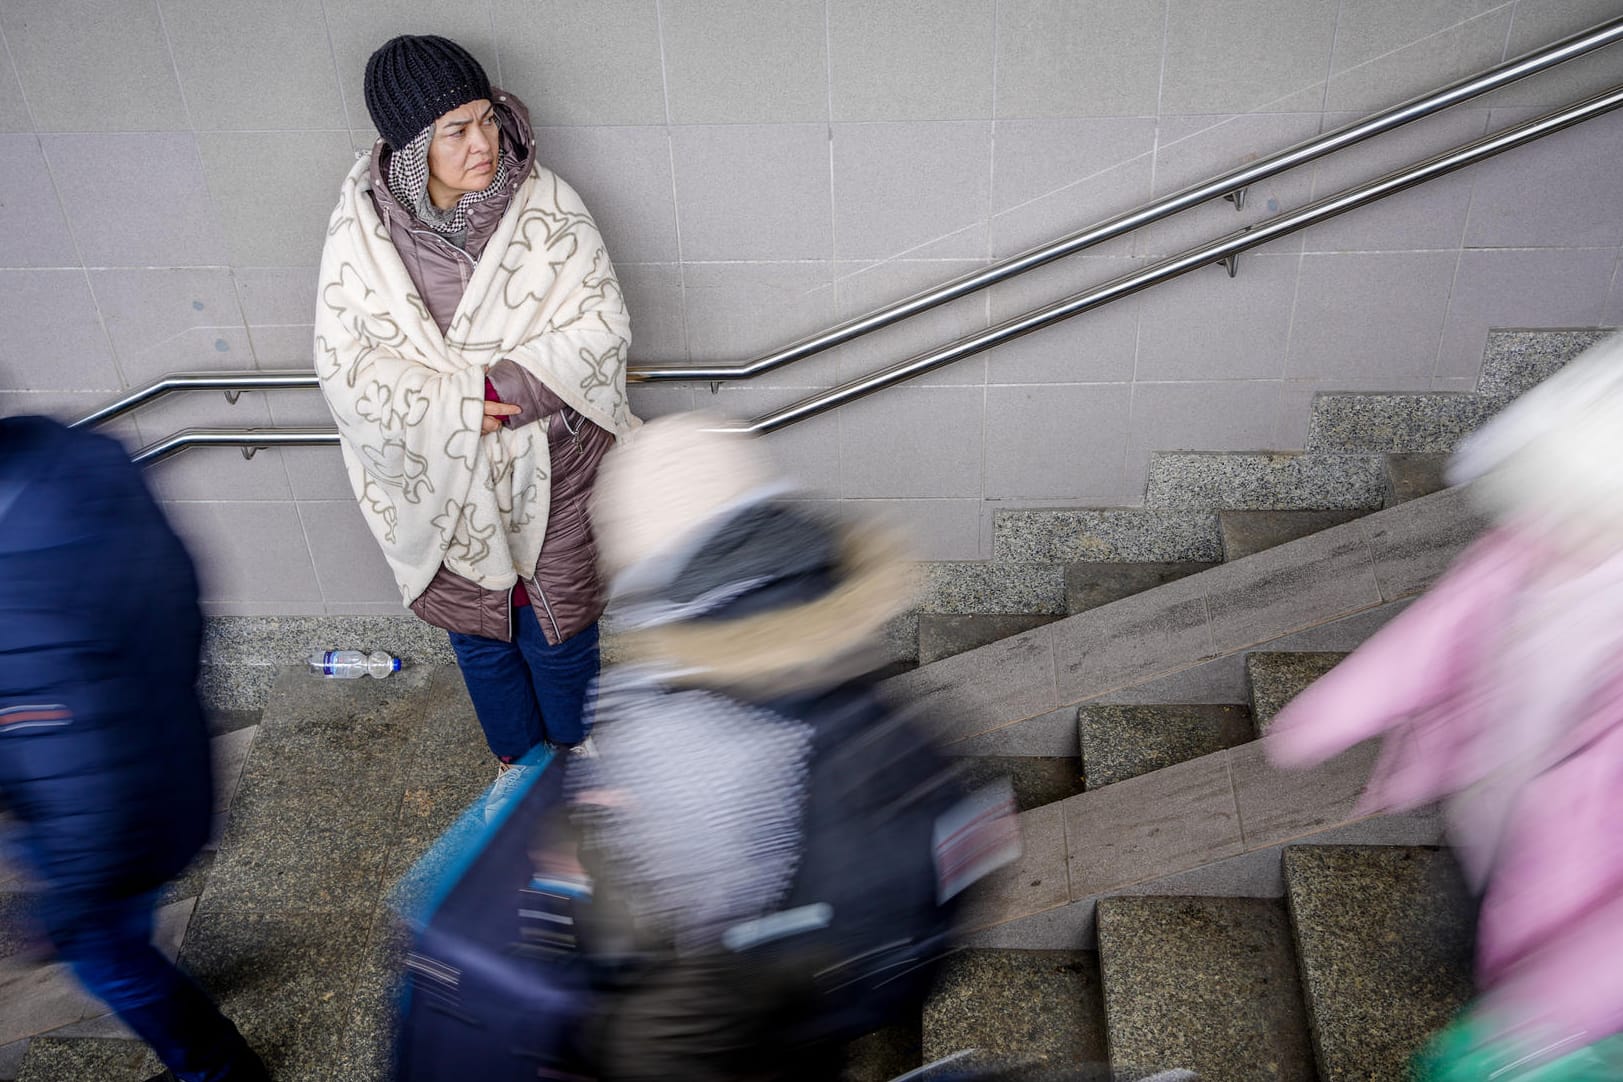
(1246, 533)
(1344, 422)
(1041, 1005)
(81, 1059)
(1411, 476)
(1206, 984)
(1277, 678)
(1383, 939)
(1106, 535)
(1121, 742)
(1265, 481)
(1037, 779)
(1516, 361)
(883, 1054)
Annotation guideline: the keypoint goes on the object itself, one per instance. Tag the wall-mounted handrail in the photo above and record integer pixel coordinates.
(1232, 182)
(1189, 260)
(231, 383)
(1126, 285)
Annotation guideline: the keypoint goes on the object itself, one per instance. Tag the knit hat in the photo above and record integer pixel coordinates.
(413, 80)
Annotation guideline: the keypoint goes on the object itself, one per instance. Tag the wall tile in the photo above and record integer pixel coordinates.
(54, 338)
(583, 61)
(650, 400)
(303, 169)
(654, 295)
(1542, 22)
(860, 289)
(623, 176)
(13, 109)
(1097, 346)
(746, 61)
(283, 345)
(1526, 287)
(1051, 177)
(1430, 216)
(901, 60)
(98, 175)
(1563, 190)
(211, 473)
(30, 214)
(1390, 50)
(1230, 416)
(882, 210)
(912, 442)
(1057, 442)
(1247, 56)
(938, 529)
(91, 66)
(255, 66)
(1062, 58)
(752, 191)
(1208, 326)
(1192, 149)
(1612, 316)
(737, 311)
(69, 406)
(163, 321)
(808, 451)
(248, 553)
(1370, 320)
(349, 565)
(276, 294)
(358, 27)
(316, 473)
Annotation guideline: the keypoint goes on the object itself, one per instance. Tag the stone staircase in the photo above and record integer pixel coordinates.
(1364, 452)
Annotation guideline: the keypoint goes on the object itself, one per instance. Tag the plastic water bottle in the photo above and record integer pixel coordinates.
(352, 664)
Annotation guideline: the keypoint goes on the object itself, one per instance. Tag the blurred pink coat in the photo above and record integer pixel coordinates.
(1501, 692)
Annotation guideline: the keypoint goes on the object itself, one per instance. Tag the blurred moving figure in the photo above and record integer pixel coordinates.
(104, 754)
(1501, 692)
(786, 848)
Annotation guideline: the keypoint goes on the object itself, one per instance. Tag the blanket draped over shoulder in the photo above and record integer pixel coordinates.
(409, 400)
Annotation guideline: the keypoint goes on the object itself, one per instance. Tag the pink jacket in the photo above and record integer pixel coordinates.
(1471, 688)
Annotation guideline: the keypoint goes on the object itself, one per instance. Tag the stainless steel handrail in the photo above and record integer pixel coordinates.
(1167, 269)
(1235, 180)
(1189, 260)
(1228, 183)
(249, 439)
(229, 382)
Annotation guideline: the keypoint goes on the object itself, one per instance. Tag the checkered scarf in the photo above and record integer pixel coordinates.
(408, 182)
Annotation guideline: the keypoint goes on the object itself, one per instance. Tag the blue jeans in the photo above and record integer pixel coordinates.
(527, 690)
(108, 945)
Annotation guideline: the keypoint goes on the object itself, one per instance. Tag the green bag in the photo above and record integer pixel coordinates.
(1470, 1050)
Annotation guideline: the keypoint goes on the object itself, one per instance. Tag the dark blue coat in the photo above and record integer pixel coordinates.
(104, 753)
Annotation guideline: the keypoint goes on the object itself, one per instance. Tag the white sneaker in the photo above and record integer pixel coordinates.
(509, 780)
(585, 749)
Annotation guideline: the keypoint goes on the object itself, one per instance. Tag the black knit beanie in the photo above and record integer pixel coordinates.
(412, 81)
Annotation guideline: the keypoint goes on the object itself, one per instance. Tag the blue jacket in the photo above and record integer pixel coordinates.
(104, 754)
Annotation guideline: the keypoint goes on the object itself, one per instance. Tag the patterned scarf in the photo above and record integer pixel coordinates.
(408, 182)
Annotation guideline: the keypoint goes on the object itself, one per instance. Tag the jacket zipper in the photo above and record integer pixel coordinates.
(542, 594)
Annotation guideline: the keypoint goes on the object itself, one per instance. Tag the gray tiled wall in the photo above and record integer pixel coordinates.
(761, 168)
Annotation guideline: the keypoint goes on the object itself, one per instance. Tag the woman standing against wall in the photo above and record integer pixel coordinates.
(471, 343)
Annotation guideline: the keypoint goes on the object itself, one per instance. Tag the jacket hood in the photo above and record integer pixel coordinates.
(798, 647)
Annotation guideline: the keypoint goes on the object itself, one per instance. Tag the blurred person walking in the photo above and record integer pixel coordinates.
(788, 848)
(104, 753)
(470, 339)
(1500, 692)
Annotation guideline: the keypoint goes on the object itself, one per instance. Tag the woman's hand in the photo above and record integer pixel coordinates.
(494, 412)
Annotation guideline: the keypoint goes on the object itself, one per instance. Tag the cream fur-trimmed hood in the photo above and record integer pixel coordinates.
(802, 647)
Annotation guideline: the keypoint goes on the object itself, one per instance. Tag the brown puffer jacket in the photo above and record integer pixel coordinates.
(566, 590)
